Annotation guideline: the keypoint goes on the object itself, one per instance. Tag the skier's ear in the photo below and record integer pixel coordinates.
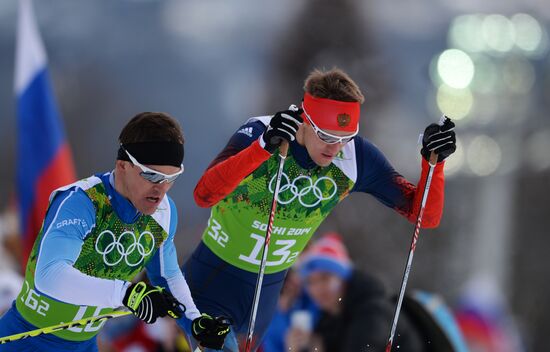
(122, 165)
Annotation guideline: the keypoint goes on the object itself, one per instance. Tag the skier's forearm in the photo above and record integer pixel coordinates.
(168, 274)
(221, 179)
(413, 197)
(180, 290)
(61, 281)
(434, 204)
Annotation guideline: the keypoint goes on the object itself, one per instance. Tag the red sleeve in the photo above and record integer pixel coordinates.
(434, 204)
(226, 172)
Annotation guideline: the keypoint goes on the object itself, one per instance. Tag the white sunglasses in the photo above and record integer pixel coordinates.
(153, 175)
(325, 136)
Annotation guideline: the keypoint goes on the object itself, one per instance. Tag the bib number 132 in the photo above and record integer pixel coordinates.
(282, 250)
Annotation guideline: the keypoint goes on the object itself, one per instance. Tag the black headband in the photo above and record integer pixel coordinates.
(153, 153)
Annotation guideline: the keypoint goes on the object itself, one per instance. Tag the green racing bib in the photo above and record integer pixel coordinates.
(237, 225)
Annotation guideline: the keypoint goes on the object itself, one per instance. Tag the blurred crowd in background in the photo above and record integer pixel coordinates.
(212, 64)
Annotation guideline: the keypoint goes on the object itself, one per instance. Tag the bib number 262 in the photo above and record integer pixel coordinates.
(282, 250)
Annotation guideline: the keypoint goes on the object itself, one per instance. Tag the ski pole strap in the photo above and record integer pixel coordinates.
(63, 326)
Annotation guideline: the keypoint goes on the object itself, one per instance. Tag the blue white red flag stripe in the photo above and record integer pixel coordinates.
(44, 157)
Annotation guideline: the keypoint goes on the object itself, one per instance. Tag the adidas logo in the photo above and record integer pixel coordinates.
(246, 130)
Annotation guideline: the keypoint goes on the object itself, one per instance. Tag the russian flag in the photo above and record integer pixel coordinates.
(44, 157)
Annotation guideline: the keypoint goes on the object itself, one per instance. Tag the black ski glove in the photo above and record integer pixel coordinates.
(210, 332)
(149, 302)
(283, 126)
(439, 139)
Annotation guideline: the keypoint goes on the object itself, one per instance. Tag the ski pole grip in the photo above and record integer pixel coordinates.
(433, 159)
(283, 149)
(433, 155)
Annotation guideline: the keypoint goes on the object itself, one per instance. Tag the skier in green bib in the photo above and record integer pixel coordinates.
(326, 162)
(98, 235)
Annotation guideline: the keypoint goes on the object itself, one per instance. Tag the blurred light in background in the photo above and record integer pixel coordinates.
(498, 32)
(483, 155)
(537, 150)
(455, 68)
(456, 103)
(530, 36)
(486, 74)
(518, 75)
(464, 33)
(487, 109)
(488, 63)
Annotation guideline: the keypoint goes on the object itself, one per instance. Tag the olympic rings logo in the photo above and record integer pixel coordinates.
(304, 189)
(116, 247)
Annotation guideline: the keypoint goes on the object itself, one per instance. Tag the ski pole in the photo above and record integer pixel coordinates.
(283, 149)
(64, 326)
(432, 162)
